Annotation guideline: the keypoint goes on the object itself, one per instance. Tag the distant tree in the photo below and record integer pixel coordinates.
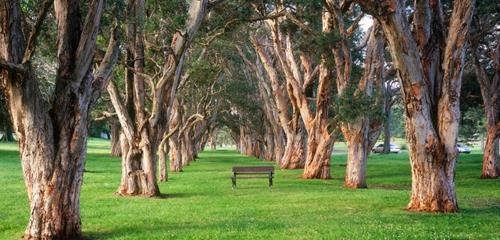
(391, 92)
(485, 47)
(5, 123)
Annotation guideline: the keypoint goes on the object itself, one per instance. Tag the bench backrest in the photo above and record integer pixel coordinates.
(253, 169)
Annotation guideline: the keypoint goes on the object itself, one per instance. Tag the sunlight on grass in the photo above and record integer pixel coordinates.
(200, 204)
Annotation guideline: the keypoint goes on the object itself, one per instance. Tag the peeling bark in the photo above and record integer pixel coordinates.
(53, 136)
(357, 132)
(431, 104)
(490, 88)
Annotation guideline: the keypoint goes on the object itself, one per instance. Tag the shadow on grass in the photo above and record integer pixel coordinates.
(390, 186)
(179, 230)
(178, 195)
(482, 210)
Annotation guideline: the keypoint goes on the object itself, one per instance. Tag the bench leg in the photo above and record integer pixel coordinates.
(270, 180)
(233, 179)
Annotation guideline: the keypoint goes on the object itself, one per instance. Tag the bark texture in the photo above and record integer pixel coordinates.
(53, 136)
(431, 89)
(320, 139)
(357, 133)
(294, 151)
(143, 130)
(490, 88)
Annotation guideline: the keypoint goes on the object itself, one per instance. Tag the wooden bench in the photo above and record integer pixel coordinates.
(253, 172)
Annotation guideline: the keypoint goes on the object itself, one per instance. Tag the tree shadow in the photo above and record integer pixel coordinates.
(175, 230)
(177, 195)
(389, 186)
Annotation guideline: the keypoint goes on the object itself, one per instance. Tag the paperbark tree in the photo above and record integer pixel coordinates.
(295, 149)
(486, 64)
(357, 131)
(390, 89)
(142, 130)
(490, 88)
(53, 136)
(320, 134)
(429, 66)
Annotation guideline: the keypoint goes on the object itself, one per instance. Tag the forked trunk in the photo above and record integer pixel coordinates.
(138, 169)
(53, 136)
(432, 176)
(53, 180)
(360, 131)
(319, 150)
(295, 151)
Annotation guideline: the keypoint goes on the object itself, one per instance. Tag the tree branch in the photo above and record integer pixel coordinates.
(86, 45)
(35, 31)
(108, 63)
(12, 66)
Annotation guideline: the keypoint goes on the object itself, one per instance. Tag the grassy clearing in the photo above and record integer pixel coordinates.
(200, 204)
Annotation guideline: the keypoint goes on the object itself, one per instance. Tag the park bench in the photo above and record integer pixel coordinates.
(253, 172)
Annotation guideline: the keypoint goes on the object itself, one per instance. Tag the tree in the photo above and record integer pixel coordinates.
(53, 136)
(143, 129)
(430, 67)
(320, 130)
(485, 47)
(357, 131)
(391, 91)
(292, 154)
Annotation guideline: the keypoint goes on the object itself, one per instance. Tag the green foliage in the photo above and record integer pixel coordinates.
(326, 41)
(165, 17)
(472, 118)
(351, 105)
(398, 121)
(202, 72)
(472, 124)
(199, 203)
(404, 146)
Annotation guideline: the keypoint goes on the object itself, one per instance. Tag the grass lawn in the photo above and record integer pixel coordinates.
(200, 204)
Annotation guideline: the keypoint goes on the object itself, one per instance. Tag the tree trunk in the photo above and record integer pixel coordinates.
(490, 87)
(491, 167)
(175, 154)
(53, 136)
(162, 158)
(115, 138)
(431, 100)
(138, 169)
(294, 155)
(54, 201)
(357, 154)
(319, 150)
(357, 131)
(9, 135)
(187, 149)
(294, 152)
(387, 131)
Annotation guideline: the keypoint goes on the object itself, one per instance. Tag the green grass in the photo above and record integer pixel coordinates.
(200, 204)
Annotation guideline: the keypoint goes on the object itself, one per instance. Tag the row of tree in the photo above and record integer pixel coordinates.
(285, 79)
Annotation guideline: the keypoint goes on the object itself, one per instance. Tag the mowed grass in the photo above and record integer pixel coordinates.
(200, 204)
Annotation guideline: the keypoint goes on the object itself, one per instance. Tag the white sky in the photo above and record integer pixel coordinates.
(365, 23)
